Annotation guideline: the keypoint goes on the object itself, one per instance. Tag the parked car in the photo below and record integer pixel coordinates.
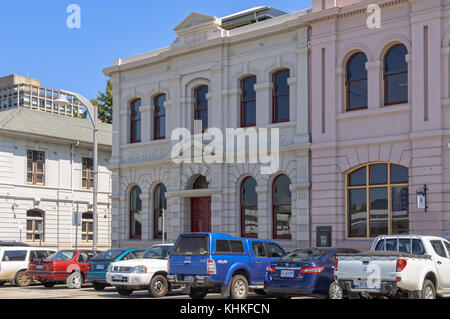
(416, 266)
(148, 272)
(64, 266)
(12, 244)
(99, 264)
(212, 262)
(305, 272)
(14, 263)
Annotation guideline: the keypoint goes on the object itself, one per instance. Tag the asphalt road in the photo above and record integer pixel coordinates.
(87, 292)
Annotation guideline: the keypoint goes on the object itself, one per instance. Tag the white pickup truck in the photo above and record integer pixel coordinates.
(408, 265)
(149, 272)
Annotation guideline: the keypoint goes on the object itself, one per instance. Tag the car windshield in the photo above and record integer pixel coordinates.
(304, 255)
(109, 255)
(63, 255)
(192, 245)
(157, 252)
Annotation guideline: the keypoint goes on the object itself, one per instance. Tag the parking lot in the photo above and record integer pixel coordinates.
(87, 292)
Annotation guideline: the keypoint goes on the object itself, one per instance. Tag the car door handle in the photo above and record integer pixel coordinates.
(439, 262)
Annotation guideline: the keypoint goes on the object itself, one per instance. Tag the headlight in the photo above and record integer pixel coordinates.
(140, 270)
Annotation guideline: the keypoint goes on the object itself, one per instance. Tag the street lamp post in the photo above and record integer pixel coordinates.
(93, 114)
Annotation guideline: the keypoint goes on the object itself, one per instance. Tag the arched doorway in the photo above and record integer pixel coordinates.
(200, 208)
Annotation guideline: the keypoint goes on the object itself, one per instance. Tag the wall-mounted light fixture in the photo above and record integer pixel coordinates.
(422, 198)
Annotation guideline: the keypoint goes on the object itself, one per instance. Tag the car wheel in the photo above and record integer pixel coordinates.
(22, 280)
(75, 280)
(124, 291)
(98, 286)
(428, 290)
(335, 291)
(158, 286)
(239, 287)
(48, 284)
(198, 293)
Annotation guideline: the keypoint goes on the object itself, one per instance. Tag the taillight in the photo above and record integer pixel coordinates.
(315, 270)
(168, 266)
(336, 265)
(270, 269)
(211, 266)
(401, 264)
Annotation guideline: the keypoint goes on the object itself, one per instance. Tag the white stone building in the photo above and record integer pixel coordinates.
(45, 173)
(220, 70)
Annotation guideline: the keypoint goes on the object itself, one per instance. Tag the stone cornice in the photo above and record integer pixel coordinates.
(349, 11)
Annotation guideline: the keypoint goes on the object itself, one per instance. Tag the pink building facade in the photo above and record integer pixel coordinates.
(380, 119)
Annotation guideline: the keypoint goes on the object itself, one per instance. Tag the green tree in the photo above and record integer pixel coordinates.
(104, 102)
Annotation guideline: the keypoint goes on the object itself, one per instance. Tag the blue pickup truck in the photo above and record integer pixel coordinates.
(219, 263)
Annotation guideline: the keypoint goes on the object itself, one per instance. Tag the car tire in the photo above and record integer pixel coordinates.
(239, 287)
(98, 286)
(335, 291)
(22, 280)
(158, 286)
(75, 280)
(48, 284)
(428, 290)
(124, 291)
(2, 283)
(198, 293)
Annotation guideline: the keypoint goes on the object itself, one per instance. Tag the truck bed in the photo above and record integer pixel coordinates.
(384, 254)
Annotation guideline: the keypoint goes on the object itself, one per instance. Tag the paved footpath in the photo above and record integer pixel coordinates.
(87, 292)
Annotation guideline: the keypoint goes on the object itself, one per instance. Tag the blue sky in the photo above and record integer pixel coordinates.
(36, 42)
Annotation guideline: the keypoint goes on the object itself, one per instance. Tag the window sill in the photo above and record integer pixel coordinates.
(381, 111)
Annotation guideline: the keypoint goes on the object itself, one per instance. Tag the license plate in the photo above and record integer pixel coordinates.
(100, 267)
(189, 278)
(117, 277)
(39, 266)
(360, 284)
(287, 273)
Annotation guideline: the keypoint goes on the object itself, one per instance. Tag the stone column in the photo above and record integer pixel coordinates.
(264, 213)
(264, 104)
(302, 109)
(146, 122)
(374, 91)
(146, 214)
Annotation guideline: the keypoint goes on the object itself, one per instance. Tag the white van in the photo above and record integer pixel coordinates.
(14, 263)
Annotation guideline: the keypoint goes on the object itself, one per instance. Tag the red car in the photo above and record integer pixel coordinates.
(64, 266)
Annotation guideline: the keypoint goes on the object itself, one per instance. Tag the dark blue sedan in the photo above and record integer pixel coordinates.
(305, 272)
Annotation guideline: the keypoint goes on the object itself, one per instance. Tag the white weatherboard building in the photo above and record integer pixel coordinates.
(45, 172)
(218, 70)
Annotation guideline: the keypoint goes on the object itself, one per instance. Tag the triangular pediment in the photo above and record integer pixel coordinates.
(194, 19)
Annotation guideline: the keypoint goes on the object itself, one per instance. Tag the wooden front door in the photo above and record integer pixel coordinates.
(201, 215)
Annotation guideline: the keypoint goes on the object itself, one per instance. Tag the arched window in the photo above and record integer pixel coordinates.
(135, 213)
(159, 118)
(159, 203)
(377, 200)
(135, 121)
(356, 82)
(281, 207)
(87, 226)
(280, 96)
(201, 183)
(35, 221)
(249, 208)
(201, 106)
(248, 101)
(395, 75)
